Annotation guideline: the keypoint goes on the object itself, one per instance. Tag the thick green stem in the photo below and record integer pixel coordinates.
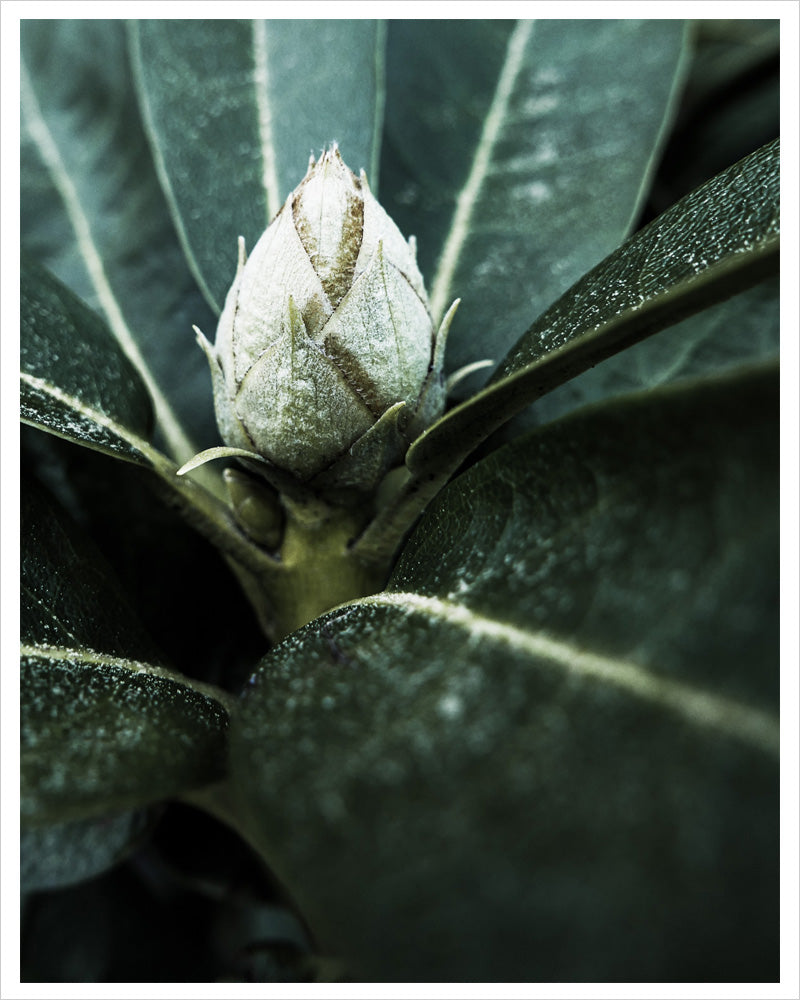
(316, 568)
(319, 568)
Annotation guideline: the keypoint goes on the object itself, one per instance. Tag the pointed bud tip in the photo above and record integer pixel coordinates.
(324, 287)
(329, 154)
(329, 166)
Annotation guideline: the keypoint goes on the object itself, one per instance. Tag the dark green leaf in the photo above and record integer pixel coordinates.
(75, 379)
(730, 105)
(549, 750)
(104, 726)
(742, 330)
(725, 55)
(715, 242)
(520, 155)
(265, 94)
(156, 555)
(77, 383)
(93, 212)
(52, 857)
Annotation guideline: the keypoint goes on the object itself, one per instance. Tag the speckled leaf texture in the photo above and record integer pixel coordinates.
(75, 380)
(548, 752)
(104, 725)
(268, 94)
(718, 234)
(92, 211)
(741, 330)
(719, 240)
(519, 155)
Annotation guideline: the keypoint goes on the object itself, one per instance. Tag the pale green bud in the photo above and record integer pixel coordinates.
(326, 361)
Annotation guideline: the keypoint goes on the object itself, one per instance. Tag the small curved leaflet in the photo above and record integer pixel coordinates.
(105, 727)
(75, 380)
(92, 212)
(720, 239)
(532, 169)
(235, 108)
(561, 715)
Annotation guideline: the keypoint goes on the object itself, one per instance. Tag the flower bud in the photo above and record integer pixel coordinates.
(326, 362)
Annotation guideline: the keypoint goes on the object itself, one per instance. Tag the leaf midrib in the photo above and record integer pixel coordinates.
(71, 654)
(153, 458)
(179, 442)
(90, 413)
(261, 88)
(509, 392)
(470, 192)
(692, 704)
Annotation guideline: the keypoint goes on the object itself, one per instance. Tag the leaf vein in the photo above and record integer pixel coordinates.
(96, 416)
(469, 193)
(92, 658)
(264, 111)
(52, 159)
(48, 611)
(693, 704)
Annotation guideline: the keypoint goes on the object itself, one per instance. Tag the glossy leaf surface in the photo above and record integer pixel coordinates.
(268, 93)
(155, 554)
(717, 241)
(92, 211)
(549, 750)
(741, 330)
(76, 383)
(104, 726)
(75, 379)
(519, 156)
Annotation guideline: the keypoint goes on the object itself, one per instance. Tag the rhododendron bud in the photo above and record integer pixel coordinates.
(326, 362)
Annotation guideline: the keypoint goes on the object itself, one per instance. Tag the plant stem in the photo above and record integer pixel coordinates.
(316, 569)
(320, 569)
